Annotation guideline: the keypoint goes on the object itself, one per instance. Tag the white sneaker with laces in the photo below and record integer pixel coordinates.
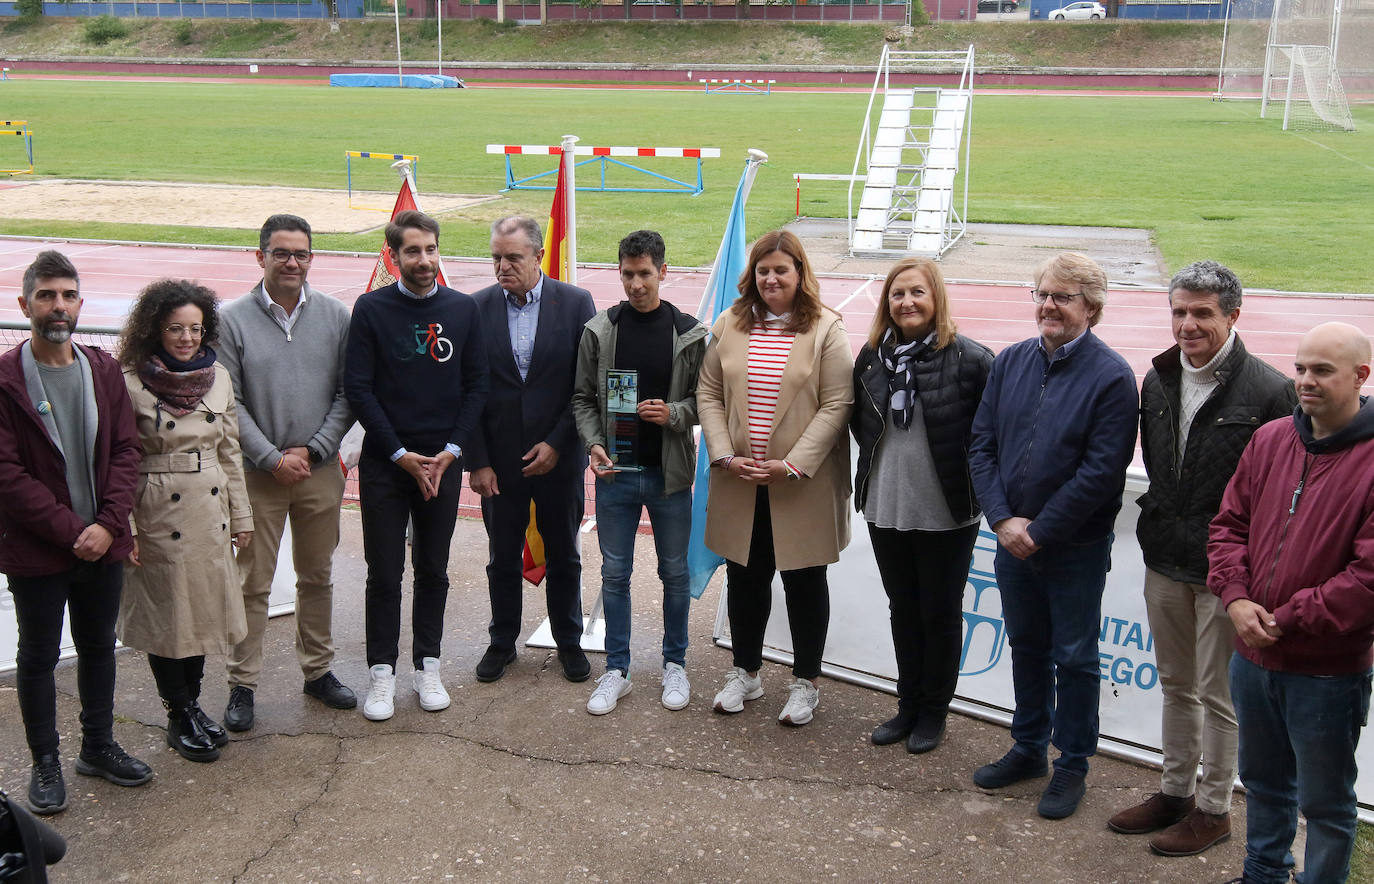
(738, 688)
(433, 697)
(677, 691)
(609, 689)
(802, 698)
(379, 705)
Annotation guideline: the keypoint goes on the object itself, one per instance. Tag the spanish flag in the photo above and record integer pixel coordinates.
(555, 266)
(386, 272)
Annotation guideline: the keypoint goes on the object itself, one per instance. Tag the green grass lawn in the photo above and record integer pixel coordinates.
(1210, 179)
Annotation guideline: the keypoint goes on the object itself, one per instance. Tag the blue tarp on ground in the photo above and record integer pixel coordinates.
(409, 81)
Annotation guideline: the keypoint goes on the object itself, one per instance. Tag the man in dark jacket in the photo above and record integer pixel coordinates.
(1200, 404)
(69, 456)
(527, 448)
(1292, 559)
(1051, 442)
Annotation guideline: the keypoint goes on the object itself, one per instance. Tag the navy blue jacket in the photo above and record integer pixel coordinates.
(415, 371)
(1052, 439)
(521, 413)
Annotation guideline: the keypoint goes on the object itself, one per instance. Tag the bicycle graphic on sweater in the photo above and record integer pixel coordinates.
(426, 338)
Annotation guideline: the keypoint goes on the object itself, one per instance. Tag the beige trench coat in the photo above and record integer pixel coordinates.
(185, 599)
(810, 431)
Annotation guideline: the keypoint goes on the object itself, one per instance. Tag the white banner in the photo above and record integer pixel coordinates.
(859, 644)
(281, 601)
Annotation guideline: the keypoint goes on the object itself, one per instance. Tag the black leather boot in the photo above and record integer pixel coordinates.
(212, 728)
(186, 736)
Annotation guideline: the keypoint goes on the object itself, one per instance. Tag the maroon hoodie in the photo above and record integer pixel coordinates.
(1296, 534)
(37, 523)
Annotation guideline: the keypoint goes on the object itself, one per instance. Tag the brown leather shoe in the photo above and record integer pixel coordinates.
(1193, 834)
(1156, 812)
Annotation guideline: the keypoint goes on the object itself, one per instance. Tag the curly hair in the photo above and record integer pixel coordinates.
(142, 332)
(749, 306)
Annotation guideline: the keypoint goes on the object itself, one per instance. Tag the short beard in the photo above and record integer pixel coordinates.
(56, 335)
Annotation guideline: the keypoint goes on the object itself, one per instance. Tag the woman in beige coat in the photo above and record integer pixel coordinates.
(774, 399)
(182, 599)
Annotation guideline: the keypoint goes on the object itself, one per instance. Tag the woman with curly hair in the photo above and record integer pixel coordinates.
(182, 598)
(774, 398)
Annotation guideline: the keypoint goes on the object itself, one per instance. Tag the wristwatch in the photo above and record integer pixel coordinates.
(315, 456)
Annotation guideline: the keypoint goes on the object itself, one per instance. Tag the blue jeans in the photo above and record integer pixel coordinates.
(1297, 751)
(618, 504)
(1052, 605)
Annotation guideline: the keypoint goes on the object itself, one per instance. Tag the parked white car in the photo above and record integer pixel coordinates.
(1081, 10)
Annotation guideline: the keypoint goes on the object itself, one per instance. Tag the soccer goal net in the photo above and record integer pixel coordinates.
(1305, 61)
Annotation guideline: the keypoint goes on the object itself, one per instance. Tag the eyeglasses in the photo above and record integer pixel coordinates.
(176, 331)
(1061, 299)
(281, 256)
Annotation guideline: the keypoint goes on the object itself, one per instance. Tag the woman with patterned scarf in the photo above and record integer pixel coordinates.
(917, 385)
(182, 598)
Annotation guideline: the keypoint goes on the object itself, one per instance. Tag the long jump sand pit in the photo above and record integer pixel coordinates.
(207, 205)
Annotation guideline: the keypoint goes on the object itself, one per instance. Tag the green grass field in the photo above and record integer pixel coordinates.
(1210, 179)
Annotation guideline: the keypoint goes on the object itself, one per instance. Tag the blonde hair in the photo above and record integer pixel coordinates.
(1078, 268)
(943, 322)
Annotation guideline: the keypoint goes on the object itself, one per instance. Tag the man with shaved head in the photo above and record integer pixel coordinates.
(1292, 559)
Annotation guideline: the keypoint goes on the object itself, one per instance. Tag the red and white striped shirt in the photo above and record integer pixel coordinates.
(769, 346)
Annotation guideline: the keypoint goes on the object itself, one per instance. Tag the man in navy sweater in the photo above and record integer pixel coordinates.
(1051, 442)
(416, 378)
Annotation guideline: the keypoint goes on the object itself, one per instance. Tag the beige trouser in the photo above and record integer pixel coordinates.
(313, 507)
(1194, 640)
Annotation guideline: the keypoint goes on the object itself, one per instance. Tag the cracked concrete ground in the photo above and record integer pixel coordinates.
(515, 781)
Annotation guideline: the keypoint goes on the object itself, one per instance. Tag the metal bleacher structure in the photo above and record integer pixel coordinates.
(914, 200)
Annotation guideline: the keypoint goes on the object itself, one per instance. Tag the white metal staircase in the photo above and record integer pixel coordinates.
(909, 162)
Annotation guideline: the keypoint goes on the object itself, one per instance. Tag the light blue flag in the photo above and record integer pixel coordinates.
(721, 291)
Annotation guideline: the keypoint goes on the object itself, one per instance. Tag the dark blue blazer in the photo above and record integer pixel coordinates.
(519, 414)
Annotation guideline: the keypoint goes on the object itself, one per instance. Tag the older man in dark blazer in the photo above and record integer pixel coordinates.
(528, 448)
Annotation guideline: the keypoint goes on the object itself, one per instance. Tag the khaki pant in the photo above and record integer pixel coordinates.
(1194, 640)
(313, 507)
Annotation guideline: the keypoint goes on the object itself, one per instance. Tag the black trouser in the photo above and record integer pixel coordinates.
(90, 591)
(178, 679)
(923, 574)
(559, 500)
(749, 600)
(390, 497)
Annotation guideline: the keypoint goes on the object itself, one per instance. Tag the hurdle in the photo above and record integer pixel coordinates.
(351, 155)
(739, 87)
(21, 129)
(603, 156)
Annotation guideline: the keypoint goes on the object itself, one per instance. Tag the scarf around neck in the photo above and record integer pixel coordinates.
(179, 386)
(901, 378)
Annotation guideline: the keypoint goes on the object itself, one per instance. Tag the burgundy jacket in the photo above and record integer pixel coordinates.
(1296, 534)
(37, 524)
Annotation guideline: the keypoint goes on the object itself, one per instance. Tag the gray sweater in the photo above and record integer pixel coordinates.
(289, 388)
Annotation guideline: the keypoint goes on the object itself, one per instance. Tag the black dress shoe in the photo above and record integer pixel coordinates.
(331, 692)
(209, 725)
(926, 736)
(187, 737)
(894, 729)
(494, 662)
(575, 664)
(114, 764)
(47, 792)
(238, 714)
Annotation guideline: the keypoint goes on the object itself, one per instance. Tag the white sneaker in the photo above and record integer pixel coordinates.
(802, 698)
(677, 691)
(609, 688)
(379, 706)
(738, 688)
(433, 697)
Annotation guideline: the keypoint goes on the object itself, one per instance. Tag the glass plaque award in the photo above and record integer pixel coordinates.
(622, 400)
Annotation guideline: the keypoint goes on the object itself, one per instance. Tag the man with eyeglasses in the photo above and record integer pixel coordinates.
(284, 345)
(1051, 442)
(1202, 400)
(69, 459)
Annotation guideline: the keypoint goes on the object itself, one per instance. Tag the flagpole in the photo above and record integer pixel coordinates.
(570, 202)
(751, 170)
(439, 13)
(400, 74)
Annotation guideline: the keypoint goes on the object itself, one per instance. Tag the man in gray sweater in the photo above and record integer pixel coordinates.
(283, 345)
